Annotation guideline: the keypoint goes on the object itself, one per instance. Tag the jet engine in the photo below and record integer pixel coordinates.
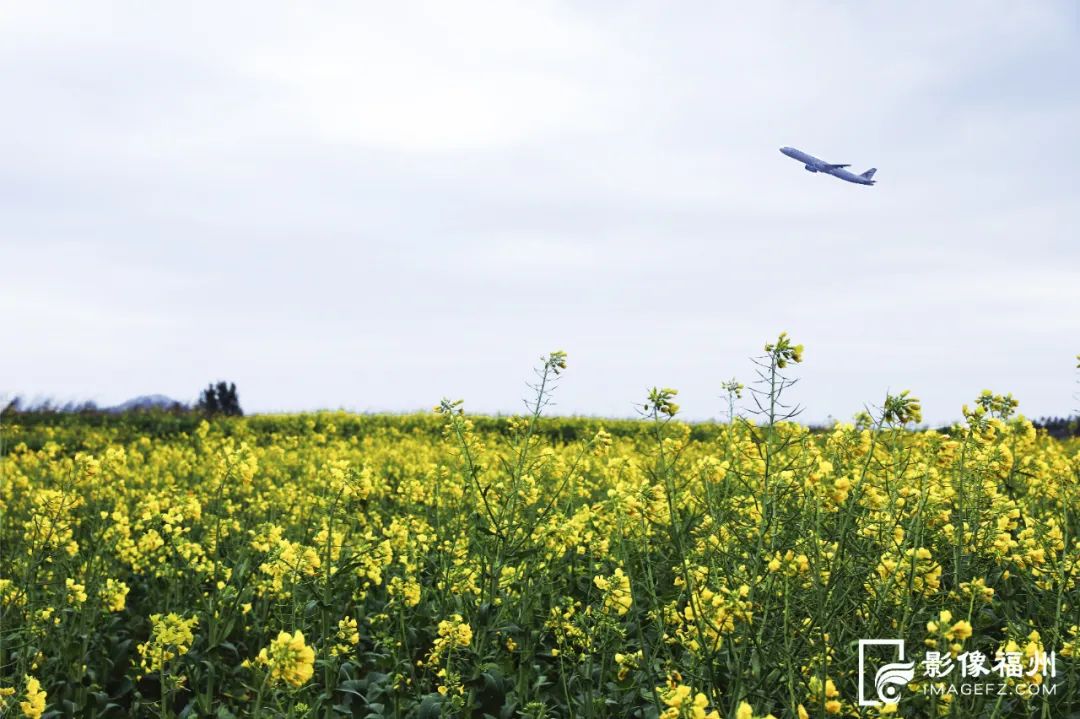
(810, 168)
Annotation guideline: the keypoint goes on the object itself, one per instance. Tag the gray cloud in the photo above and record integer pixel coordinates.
(372, 207)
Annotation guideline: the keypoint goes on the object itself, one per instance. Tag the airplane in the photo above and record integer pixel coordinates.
(813, 164)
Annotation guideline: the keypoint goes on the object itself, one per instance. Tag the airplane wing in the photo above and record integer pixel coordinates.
(838, 167)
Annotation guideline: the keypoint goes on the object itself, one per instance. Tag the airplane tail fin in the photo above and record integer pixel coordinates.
(869, 173)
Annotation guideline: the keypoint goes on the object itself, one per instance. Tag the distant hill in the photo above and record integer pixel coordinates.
(145, 402)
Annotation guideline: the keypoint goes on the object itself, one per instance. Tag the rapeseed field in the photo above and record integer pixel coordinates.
(338, 565)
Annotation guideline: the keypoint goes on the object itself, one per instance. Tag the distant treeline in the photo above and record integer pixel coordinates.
(1060, 427)
(22, 406)
(177, 419)
(218, 398)
(167, 422)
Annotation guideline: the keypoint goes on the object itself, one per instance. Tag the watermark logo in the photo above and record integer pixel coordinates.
(968, 673)
(889, 678)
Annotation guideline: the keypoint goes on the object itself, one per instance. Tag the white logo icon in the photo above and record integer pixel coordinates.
(889, 679)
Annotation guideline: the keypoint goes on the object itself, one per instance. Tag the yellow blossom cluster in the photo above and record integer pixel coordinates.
(288, 659)
(563, 566)
(682, 703)
(171, 635)
(616, 589)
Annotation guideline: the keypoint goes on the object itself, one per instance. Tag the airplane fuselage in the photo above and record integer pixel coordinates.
(814, 164)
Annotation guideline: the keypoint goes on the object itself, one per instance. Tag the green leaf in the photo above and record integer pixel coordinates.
(430, 707)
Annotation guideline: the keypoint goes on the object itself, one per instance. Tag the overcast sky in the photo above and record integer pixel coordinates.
(375, 205)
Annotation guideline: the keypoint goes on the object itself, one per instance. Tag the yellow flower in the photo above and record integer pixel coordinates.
(455, 631)
(677, 696)
(616, 590)
(115, 595)
(76, 591)
(34, 705)
(348, 636)
(289, 659)
(170, 636)
(700, 702)
(961, 630)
